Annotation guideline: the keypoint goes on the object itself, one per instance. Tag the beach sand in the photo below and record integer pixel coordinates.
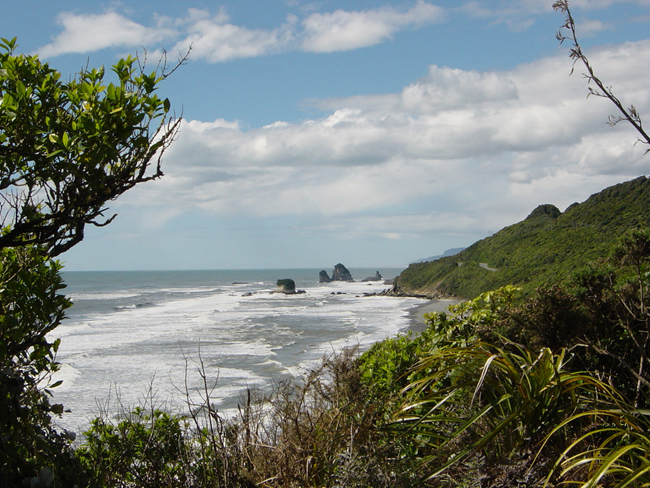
(416, 314)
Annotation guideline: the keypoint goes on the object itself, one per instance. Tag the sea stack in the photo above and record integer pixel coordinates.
(341, 273)
(286, 286)
(323, 277)
(377, 277)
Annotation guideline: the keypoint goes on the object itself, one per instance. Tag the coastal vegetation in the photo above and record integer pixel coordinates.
(66, 149)
(540, 378)
(547, 247)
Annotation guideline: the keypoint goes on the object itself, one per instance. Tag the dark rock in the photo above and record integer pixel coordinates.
(323, 277)
(341, 273)
(288, 287)
(377, 277)
(287, 284)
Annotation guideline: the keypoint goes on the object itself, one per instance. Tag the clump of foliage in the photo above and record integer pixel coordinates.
(145, 449)
(388, 366)
(69, 147)
(498, 405)
(522, 394)
(321, 429)
(31, 306)
(66, 149)
(601, 315)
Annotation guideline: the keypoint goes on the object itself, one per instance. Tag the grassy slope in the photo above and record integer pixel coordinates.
(544, 248)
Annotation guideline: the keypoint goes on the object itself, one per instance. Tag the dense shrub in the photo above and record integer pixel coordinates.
(30, 306)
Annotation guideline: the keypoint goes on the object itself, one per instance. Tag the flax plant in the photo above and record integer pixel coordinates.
(493, 402)
(615, 453)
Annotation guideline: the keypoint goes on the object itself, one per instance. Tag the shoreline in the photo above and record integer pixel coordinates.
(416, 313)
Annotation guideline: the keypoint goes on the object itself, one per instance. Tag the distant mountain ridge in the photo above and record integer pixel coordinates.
(546, 247)
(448, 252)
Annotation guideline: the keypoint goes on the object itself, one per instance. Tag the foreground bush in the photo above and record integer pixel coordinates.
(67, 147)
(320, 430)
(31, 306)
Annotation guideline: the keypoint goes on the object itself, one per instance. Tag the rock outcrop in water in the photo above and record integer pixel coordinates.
(340, 273)
(323, 277)
(377, 277)
(288, 287)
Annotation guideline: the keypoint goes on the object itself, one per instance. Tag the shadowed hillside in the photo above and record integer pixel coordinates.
(546, 247)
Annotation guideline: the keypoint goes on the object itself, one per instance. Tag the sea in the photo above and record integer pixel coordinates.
(133, 337)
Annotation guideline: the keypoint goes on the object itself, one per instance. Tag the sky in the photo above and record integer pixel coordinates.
(372, 133)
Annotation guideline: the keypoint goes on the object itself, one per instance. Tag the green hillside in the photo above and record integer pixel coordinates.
(546, 247)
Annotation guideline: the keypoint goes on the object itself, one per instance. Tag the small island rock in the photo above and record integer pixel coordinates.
(323, 277)
(377, 277)
(288, 287)
(341, 273)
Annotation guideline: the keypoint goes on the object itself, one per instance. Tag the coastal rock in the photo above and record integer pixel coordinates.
(341, 273)
(377, 277)
(288, 287)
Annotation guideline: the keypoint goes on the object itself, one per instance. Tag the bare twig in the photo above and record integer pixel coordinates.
(630, 114)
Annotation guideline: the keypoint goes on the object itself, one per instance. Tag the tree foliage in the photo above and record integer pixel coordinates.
(146, 449)
(30, 306)
(69, 147)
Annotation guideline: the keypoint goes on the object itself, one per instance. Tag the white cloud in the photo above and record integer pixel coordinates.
(344, 30)
(215, 38)
(91, 32)
(456, 151)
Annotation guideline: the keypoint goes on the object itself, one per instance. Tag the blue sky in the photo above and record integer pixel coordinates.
(369, 133)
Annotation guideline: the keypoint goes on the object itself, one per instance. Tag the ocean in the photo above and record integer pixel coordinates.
(132, 335)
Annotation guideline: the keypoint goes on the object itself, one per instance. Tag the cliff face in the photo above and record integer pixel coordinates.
(546, 247)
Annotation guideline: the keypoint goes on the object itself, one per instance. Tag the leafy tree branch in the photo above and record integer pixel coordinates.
(67, 148)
